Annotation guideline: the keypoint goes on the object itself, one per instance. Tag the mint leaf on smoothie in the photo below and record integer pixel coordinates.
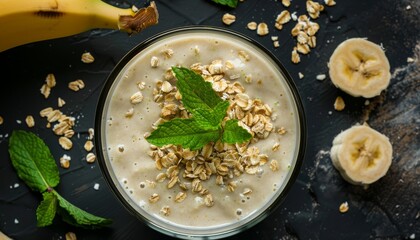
(196, 93)
(230, 3)
(185, 132)
(208, 111)
(233, 133)
(211, 118)
(35, 165)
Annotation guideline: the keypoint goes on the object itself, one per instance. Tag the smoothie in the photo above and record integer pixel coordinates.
(220, 185)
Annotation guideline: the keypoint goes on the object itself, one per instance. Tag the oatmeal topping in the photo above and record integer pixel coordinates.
(221, 160)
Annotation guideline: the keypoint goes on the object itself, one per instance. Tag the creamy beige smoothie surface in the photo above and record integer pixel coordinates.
(221, 183)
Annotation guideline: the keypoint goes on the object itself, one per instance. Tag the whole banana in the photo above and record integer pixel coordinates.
(27, 21)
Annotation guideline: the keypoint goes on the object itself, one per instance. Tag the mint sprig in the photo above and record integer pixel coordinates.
(230, 3)
(36, 166)
(208, 111)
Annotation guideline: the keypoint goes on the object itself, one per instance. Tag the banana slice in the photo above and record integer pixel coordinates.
(360, 68)
(361, 154)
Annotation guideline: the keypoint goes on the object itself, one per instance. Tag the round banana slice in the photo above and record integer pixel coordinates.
(360, 68)
(361, 154)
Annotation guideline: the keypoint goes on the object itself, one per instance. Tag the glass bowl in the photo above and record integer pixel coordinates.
(256, 177)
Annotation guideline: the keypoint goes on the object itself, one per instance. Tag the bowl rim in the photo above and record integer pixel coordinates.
(99, 116)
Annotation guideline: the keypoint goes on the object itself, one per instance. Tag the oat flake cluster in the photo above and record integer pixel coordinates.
(304, 30)
(189, 169)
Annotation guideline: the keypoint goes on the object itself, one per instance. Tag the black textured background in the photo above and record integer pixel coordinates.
(388, 209)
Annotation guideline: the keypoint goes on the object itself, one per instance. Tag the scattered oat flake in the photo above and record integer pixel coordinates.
(408, 7)
(154, 198)
(136, 98)
(76, 85)
(274, 165)
(71, 236)
(329, 2)
(90, 157)
(45, 90)
(87, 57)
(283, 17)
(154, 62)
(96, 186)
(281, 131)
(168, 53)
(276, 44)
(275, 147)
(321, 77)
(141, 85)
(60, 102)
(65, 161)
(50, 80)
(294, 16)
(252, 25)
(410, 60)
(285, 3)
(165, 210)
(262, 29)
(91, 132)
(300, 75)
(129, 113)
(30, 122)
(208, 200)
(295, 56)
(228, 18)
(88, 145)
(339, 104)
(65, 143)
(344, 207)
(44, 112)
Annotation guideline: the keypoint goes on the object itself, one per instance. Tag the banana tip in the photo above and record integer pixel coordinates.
(143, 18)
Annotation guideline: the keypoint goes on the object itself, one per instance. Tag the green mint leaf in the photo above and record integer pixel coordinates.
(230, 3)
(33, 161)
(233, 133)
(195, 91)
(78, 217)
(185, 132)
(211, 119)
(46, 210)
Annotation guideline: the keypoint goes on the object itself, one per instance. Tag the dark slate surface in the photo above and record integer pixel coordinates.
(388, 209)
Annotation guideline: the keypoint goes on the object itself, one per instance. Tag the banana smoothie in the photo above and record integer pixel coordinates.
(222, 185)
